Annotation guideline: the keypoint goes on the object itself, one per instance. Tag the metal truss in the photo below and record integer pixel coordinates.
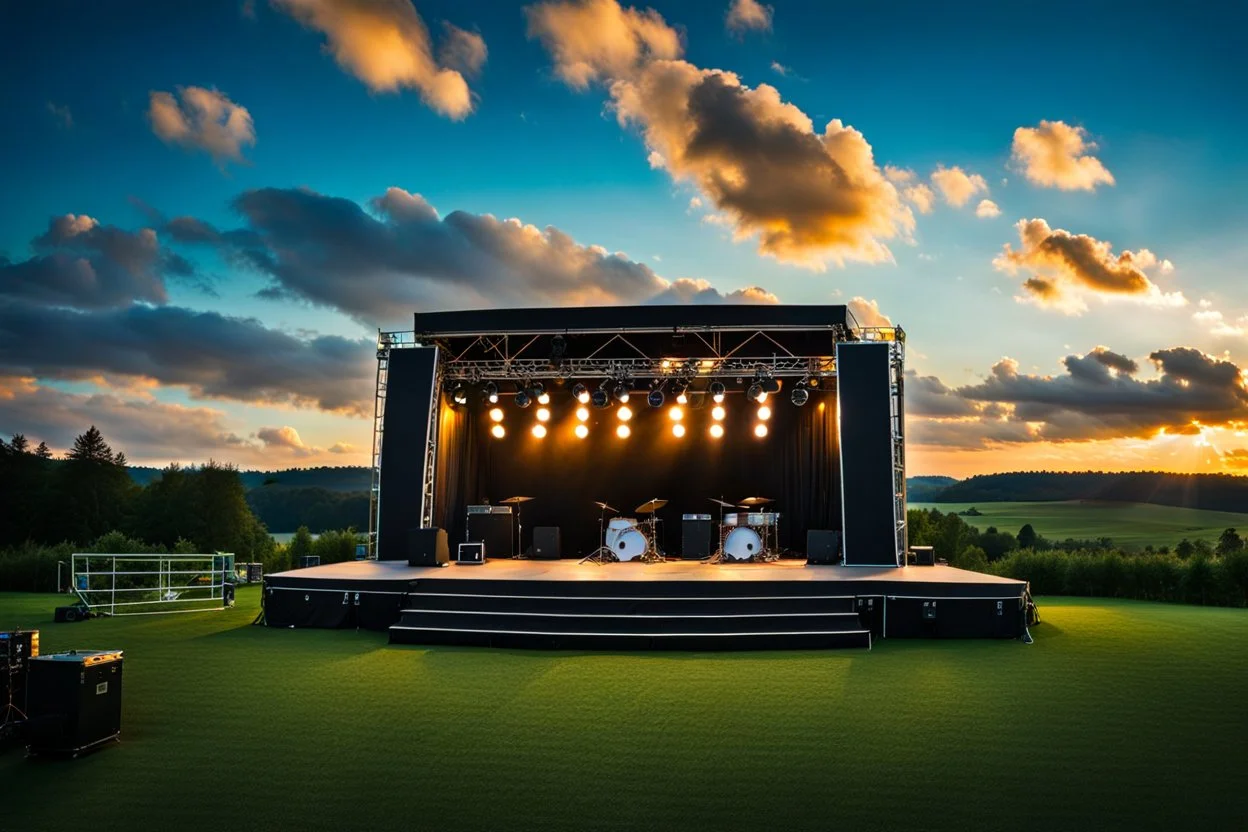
(521, 369)
(897, 399)
(386, 341)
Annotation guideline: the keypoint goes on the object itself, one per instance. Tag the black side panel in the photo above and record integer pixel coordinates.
(308, 608)
(954, 618)
(409, 396)
(864, 416)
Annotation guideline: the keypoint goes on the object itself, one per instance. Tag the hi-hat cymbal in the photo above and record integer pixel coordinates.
(516, 500)
(606, 507)
(755, 501)
(651, 506)
(722, 503)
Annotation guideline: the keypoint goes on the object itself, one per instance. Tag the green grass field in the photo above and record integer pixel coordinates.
(1131, 525)
(1122, 715)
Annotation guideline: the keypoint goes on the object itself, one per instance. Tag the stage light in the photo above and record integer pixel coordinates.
(655, 398)
(762, 397)
(543, 415)
(581, 431)
(717, 391)
(496, 414)
(624, 414)
(676, 414)
(680, 388)
(760, 430)
(582, 414)
(800, 395)
(771, 385)
(622, 431)
(620, 391)
(581, 392)
(718, 414)
(755, 392)
(544, 398)
(522, 399)
(682, 398)
(491, 392)
(499, 431)
(558, 346)
(764, 413)
(459, 394)
(539, 430)
(678, 430)
(600, 398)
(814, 382)
(717, 431)
(538, 391)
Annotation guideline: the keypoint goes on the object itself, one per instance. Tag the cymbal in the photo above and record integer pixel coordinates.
(510, 500)
(606, 507)
(651, 506)
(756, 501)
(722, 503)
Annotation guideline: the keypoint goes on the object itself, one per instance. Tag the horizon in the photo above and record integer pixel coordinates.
(201, 241)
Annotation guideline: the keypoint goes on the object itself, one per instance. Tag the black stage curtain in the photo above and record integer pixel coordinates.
(796, 464)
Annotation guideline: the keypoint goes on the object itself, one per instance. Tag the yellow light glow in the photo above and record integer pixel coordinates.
(681, 398)
(539, 430)
(666, 363)
(499, 431)
(624, 399)
(718, 414)
(581, 431)
(718, 397)
(582, 413)
(762, 397)
(764, 413)
(676, 414)
(493, 398)
(624, 414)
(717, 431)
(622, 431)
(583, 398)
(678, 430)
(760, 430)
(544, 398)
(814, 382)
(543, 415)
(496, 414)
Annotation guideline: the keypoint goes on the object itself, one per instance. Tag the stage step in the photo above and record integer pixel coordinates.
(533, 601)
(530, 639)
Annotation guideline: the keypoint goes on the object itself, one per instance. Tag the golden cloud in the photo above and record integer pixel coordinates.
(1056, 155)
(956, 185)
(204, 120)
(749, 14)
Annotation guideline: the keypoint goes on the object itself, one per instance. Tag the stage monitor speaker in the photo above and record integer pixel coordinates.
(470, 553)
(427, 547)
(695, 536)
(923, 555)
(75, 701)
(546, 543)
(823, 546)
(495, 530)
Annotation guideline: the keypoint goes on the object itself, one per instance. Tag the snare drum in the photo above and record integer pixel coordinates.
(762, 519)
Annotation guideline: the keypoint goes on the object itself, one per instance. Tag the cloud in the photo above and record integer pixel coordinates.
(343, 448)
(210, 355)
(921, 197)
(689, 290)
(385, 44)
(62, 114)
(987, 209)
(780, 69)
(81, 263)
(956, 185)
(1236, 459)
(285, 438)
(867, 312)
(204, 120)
(808, 197)
(1217, 324)
(1068, 268)
(1057, 155)
(898, 176)
(929, 396)
(744, 15)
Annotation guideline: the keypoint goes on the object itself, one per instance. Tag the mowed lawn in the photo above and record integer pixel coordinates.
(1122, 715)
(1132, 525)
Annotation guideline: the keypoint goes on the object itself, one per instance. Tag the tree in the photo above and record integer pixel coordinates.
(43, 451)
(19, 444)
(972, 558)
(91, 447)
(1229, 542)
(95, 492)
(1027, 537)
(1184, 549)
(996, 543)
(300, 545)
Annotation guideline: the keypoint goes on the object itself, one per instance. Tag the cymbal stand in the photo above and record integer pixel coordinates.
(653, 553)
(718, 555)
(600, 555)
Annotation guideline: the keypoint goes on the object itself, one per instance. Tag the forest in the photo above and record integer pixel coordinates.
(1215, 492)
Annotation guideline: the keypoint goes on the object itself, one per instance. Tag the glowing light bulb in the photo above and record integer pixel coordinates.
(681, 398)
(544, 398)
(762, 397)
(717, 431)
(539, 430)
(760, 430)
(583, 397)
(581, 431)
(678, 430)
(718, 397)
(543, 415)
(499, 431)
(764, 413)
(582, 414)
(624, 414)
(496, 414)
(622, 431)
(718, 414)
(676, 414)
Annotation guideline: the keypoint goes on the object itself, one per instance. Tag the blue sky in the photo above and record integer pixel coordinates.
(1154, 89)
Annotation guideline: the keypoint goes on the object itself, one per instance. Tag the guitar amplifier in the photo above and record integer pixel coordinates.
(546, 543)
(75, 701)
(492, 525)
(427, 547)
(470, 553)
(823, 546)
(695, 536)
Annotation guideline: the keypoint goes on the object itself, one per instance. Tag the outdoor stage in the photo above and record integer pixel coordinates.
(686, 605)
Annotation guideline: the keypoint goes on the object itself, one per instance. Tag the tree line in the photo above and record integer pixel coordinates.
(1216, 492)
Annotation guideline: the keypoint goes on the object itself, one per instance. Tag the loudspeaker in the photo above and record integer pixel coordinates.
(427, 547)
(74, 612)
(470, 553)
(546, 543)
(695, 536)
(823, 546)
(75, 701)
(496, 531)
(923, 555)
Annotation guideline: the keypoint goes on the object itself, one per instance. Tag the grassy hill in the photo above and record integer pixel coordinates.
(1122, 715)
(1216, 492)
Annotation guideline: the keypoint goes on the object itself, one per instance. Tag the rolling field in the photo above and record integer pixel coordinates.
(1122, 715)
(1131, 525)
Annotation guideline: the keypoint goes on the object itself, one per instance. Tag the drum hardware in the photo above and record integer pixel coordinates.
(603, 553)
(518, 502)
(749, 535)
(652, 553)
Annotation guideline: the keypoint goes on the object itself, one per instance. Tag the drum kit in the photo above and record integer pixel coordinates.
(750, 535)
(627, 538)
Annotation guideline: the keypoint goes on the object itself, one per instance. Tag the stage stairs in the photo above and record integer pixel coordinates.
(628, 615)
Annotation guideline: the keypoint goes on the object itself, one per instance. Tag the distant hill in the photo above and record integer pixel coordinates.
(925, 489)
(341, 479)
(1214, 492)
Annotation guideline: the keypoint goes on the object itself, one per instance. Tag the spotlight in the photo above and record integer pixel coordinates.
(601, 399)
(678, 430)
(682, 398)
(544, 398)
(543, 415)
(539, 430)
(622, 431)
(718, 413)
(717, 431)
(581, 392)
(762, 397)
(814, 382)
(459, 394)
(755, 392)
(680, 388)
(620, 391)
(760, 430)
(522, 399)
(537, 390)
(491, 392)
(676, 414)
(771, 385)
(581, 431)
(624, 414)
(655, 398)
(558, 346)
(764, 413)
(499, 431)
(582, 414)
(717, 391)
(496, 414)
(800, 395)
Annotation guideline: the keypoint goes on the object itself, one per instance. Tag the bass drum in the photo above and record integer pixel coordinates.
(743, 543)
(630, 544)
(617, 527)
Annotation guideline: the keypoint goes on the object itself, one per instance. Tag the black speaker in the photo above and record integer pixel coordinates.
(496, 531)
(823, 546)
(923, 555)
(470, 553)
(695, 536)
(546, 543)
(74, 612)
(75, 701)
(427, 547)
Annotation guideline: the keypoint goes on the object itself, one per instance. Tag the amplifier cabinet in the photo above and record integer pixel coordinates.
(470, 553)
(546, 543)
(494, 529)
(695, 536)
(427, 547)
(75, 701)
